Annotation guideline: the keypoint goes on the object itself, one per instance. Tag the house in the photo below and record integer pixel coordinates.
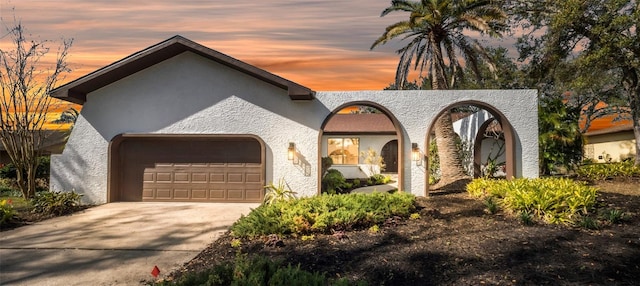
(609, 140)
(178, 121)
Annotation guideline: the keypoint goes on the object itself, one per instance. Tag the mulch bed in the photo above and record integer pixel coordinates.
(455, 242)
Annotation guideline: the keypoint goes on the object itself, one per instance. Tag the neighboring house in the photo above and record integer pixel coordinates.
(53, 144)
(178, 121)
(346, 136)
(607, 140)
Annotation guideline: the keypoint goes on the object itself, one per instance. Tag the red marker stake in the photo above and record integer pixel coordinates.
(156, 271)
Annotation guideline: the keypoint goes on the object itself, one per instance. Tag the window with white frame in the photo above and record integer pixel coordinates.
(344, 151)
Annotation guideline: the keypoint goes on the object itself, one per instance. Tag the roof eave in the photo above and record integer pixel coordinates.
(77, 90)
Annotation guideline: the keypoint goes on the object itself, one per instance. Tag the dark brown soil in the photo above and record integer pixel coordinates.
(455, 242)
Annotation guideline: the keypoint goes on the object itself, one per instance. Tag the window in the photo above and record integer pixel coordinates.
(344, 151)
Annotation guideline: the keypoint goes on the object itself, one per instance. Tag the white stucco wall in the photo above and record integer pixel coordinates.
(188, 94)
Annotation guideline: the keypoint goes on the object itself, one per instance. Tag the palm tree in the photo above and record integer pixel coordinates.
(436, 31)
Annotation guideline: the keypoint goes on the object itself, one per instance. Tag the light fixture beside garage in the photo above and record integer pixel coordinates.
(291, 152)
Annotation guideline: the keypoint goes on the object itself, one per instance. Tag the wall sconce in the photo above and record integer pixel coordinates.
(415, 154)
(291, 151)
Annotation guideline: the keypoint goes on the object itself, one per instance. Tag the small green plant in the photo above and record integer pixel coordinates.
(613, 216)
(525, 218)
(308, 237)
(491, 204)
(414, 216)
(374, 229)
(55, 203)
(236, 243)
(280, 192)
(588, 222)
(7, 212)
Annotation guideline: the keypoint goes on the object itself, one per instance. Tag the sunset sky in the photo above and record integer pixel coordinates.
(321, 44)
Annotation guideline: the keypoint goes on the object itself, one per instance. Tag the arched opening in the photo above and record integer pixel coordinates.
(489, 150)
(506, 129)
(360, 128)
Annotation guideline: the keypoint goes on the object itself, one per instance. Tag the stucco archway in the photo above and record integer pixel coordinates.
(396, 123)
(509, 136)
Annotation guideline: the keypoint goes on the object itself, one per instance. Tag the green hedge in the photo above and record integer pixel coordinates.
(553, 200)
(321, 214)
(603, 171)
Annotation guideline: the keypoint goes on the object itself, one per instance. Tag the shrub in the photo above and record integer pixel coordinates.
(323, 214)
(379, 179)
(281, 192)
(603, 171)
(8, 171)
(7, 212)
(613, 215)
(553, 200)
(258, 270)
(334, 182)
(55, 203)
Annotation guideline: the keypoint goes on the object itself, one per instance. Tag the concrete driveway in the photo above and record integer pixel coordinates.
(113, 244)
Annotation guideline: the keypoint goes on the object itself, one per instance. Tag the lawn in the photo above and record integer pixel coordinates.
(455, 241)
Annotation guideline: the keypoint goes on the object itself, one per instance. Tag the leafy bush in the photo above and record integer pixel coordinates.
(281, 192)
(334, 182)
(8, 171)
(55, 203)
(553, 200)
(379, 179)
(7, 212)
(257, 271)
(603, 171)
(324, 213)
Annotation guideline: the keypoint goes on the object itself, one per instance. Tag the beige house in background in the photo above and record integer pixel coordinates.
(609, 141)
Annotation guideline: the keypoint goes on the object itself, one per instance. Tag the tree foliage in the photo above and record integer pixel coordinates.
(26, 82)
(594, 44)
(438, 45)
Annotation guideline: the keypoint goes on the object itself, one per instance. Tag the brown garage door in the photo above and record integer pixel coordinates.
(207, 169)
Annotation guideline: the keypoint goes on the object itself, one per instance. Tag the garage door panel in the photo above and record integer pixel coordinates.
(199, 194)
(199, 177)
(253, 178)
(217, 194)
(160, 169)
(181, 193)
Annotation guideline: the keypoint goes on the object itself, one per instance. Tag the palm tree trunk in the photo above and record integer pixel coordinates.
(451, 168)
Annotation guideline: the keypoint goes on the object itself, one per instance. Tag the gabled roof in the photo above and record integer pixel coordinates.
(364, 123)
(77, 90)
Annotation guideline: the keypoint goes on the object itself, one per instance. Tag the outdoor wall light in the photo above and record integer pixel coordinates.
(415, 152)
(291, 151)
